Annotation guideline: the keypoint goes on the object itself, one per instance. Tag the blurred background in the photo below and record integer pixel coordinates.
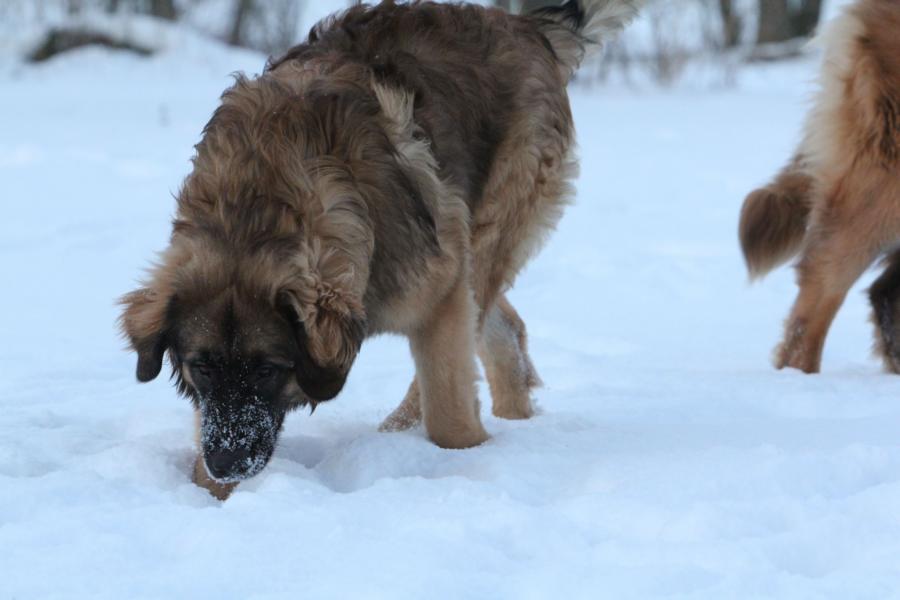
(673, 38)
(668, 458)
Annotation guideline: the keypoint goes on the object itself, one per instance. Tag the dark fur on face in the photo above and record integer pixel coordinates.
(244, 363)
(240, 364)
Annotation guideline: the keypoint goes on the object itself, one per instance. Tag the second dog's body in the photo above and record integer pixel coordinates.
(838, 202)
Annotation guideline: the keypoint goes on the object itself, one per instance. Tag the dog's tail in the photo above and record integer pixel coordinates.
(574, 26)
(774, 220)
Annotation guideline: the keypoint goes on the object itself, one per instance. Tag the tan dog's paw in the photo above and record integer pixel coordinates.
(519, 410)
(407, 415)
(402, 419)
(459, 440)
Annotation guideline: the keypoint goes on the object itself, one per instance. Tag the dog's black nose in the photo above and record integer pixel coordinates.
(221, 463)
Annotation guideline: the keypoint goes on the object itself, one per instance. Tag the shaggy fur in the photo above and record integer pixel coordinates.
(392, 174)
(838, 202)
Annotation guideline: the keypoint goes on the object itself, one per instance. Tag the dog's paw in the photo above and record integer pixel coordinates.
(402, 419)
(796, 351)
(461, 439)
(520, 411)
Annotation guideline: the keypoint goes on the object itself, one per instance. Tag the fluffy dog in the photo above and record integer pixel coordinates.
(392, 174)
(838, 201)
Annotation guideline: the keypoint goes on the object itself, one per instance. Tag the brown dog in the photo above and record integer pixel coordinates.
(392, 174)
(838, 201)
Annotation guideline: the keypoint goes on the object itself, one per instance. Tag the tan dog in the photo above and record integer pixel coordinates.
(392, 174)
(838, 202)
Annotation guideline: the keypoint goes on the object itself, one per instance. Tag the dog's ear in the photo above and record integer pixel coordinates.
(327, 341)
(144, 322)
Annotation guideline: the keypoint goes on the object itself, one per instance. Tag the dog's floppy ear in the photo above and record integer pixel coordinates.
(328, 342)
(144, 322)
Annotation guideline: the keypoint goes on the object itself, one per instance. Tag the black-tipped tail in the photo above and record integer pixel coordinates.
(579, 23)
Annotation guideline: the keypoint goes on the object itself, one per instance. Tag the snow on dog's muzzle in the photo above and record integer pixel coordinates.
(237, 442)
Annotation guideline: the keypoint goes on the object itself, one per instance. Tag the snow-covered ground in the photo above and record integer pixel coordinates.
(668, 459)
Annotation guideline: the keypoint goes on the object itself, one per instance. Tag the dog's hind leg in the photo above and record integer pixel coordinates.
(503, 350)
(408, 414)
(842, 243)
(885, 298)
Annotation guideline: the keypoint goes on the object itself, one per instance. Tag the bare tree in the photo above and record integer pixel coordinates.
(283, 32)
(806, 19)
(732, 26)
(523, 6)
(270, 26)
(774, 22)
(780, 20)
(526, 6)
(242, 11)
(164, 9)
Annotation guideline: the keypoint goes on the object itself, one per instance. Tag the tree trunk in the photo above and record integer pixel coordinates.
(241, 10)
(774, 22)
(164, 9)
(807, 18)
(524, 6)
(731, 24)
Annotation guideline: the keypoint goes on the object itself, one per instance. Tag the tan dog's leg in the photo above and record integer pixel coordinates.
(444, 353)
(504, 352)
(839, 249)
(200, 477)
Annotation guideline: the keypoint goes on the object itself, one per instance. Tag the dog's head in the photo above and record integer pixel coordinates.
(244, 356)
(258, 300)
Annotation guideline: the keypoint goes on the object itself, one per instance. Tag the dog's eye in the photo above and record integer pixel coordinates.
(201, 369)
(265, 372)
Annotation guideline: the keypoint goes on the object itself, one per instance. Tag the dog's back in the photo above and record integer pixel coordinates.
(856, 123)
(467, 66)
(462, 63)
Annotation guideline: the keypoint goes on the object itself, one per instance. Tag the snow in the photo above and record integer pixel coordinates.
(668, 458)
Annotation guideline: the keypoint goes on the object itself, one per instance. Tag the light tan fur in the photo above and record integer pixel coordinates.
(503, 349)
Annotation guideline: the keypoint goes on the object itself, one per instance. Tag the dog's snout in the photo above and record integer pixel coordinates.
(221, 463)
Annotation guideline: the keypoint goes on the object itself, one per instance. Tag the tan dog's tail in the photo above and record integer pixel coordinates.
(573, 26)
(774, 219)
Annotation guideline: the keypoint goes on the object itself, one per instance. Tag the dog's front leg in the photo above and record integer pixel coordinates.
(444, 353)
